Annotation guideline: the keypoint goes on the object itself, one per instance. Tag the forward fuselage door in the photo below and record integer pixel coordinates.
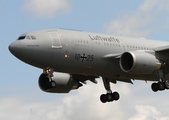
(55, 38)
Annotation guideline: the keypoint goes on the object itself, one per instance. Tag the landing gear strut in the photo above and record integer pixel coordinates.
(49, 73)
(162, 84)
(109, 97)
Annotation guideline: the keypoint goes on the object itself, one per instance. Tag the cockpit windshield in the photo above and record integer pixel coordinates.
(21, 38)
(29, 37)
(33, 37)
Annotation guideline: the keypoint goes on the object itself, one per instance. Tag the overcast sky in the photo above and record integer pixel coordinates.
(20, 96)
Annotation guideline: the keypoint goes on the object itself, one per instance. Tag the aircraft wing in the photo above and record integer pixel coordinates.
(121, 80)
(84, 78)
(161, 49)
(112, 57)
(162, 53)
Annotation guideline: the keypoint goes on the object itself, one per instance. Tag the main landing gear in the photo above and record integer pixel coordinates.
(162, 84)
(49, 73)
(109, 97)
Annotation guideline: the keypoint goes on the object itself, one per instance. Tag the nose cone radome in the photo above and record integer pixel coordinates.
(15, 48)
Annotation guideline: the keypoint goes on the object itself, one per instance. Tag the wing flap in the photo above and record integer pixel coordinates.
(122, 80)
(84, 78)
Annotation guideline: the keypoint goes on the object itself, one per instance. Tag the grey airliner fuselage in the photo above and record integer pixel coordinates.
(86, 56)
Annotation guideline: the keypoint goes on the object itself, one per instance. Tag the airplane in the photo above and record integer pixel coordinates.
(71, 57)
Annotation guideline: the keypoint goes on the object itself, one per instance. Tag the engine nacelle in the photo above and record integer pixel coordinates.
(64, 83)
(138, 62)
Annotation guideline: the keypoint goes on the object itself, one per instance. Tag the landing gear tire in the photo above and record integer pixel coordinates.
(109, 97)
(161, 86)
(158, 86)
(53, 84)
(154, 87)
(167, 84)
(116, 96)
(103, 98)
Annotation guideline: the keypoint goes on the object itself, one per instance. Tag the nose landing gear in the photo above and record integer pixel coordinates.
(49, 73)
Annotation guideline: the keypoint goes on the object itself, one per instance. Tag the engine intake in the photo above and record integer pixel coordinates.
(64, 83)
(139, 62)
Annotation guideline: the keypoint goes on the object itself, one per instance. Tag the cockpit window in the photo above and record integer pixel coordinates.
(27, 37)
(33, 37)
(21, 37)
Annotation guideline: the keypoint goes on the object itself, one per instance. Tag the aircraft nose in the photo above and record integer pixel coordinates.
(14, 48)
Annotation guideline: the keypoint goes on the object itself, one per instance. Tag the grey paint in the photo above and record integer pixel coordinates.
(56, 48)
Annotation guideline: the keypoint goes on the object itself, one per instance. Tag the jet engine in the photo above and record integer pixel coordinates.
(138, 62)
(64, 83)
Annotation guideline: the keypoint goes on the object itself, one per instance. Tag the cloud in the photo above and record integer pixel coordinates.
(47, 8)
(138, 23)
(84, 104)
(146, 112)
